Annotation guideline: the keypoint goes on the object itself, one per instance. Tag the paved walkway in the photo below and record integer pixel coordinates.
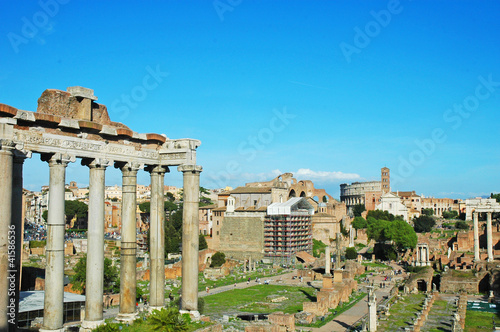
(349, 317)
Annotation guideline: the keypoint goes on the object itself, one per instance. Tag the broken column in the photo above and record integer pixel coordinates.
(327, 260)
(372, 309)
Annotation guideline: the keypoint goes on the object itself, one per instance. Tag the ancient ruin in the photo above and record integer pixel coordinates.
(69, 125)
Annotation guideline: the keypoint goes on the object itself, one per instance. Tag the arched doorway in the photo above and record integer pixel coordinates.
(422, 285)
(484, 284)
(292, 193)
(436, 280)
(302, 194)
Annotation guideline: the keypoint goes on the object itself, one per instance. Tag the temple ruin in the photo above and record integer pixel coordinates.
(69, 125)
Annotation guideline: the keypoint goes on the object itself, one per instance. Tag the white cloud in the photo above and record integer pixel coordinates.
(303, 174)
(324, 176)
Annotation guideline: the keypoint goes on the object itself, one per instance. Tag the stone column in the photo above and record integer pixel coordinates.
(6, 175)
(95, 246)
(489, 236)
(54, 271)
(128, 282)
(372, 310)
(157, 239)
(328, 261)
(190, 231)
(476, 237)
(250, 264)
(17, 227)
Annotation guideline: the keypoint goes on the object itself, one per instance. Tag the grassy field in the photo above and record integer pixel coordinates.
(403, 312)
(476, 321)
(257, 299)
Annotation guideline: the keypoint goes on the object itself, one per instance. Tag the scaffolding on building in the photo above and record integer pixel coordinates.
(285, 235)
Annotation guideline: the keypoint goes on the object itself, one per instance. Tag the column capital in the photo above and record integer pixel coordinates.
(58, 159)
(96, 163)
(190, 168)
(7, 144)
(128, 166)
(157, 169)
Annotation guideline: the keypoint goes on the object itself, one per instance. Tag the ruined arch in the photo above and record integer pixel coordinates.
(292, 193)
(302, 194)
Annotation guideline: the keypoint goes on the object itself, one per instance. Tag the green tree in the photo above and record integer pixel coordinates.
(376, 230)
(172, 239)
(176, 219)
(402, 234)
(351, 253)
(79, 278)
(318, 248)
(76, 209)
(145, 207)
(450, 214)
(218, 259)
(423, 224)
(202, 243)
(359, 223)
(170, 197)
(496, 196)
(428, 212)
(380, 215)
(358, 209)
(461, 225)
(170, 206)
(45, 215)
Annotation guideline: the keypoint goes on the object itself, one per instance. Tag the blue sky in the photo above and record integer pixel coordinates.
(329, 90)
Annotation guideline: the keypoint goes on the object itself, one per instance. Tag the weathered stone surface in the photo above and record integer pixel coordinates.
(64, 104)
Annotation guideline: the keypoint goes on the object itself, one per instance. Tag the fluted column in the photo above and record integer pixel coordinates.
(128, 282)
(190, 230)
(95, 253)
(54, 252)
(6, 180)
(476, 237)
(489, 236)
(157, 238)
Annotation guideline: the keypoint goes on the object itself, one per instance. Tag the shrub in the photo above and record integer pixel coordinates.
(461, 225)
(351, 253)
(167, 320)
(218, 259)
(38, 244)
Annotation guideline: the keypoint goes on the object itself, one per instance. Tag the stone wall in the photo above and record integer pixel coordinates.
(243, 236)
(281, 319)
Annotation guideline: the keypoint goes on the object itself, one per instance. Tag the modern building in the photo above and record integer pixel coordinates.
(288, 230)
